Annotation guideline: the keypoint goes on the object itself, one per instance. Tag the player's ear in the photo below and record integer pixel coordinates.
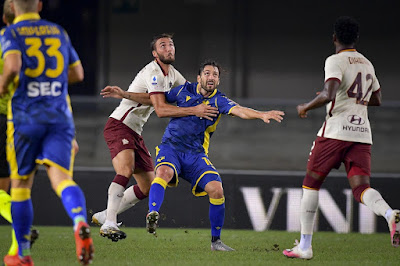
(40, 5)
(198, 78)
(4, 19)
(154, 53)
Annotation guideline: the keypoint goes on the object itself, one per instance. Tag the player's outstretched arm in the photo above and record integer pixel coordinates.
(11, 68)
(118, 93)
(248, 113)
(163, 109)
(322, 98)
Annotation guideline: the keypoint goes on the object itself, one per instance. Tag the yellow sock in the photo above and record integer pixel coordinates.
(5, 211)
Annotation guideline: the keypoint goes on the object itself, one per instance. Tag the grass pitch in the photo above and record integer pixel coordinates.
(55, 246)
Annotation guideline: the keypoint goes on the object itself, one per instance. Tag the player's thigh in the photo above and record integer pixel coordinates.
(199, 171)
(24, 145)
(124, 162)
(326, 154)
(357, 160)
(57, 148)
(168, 164)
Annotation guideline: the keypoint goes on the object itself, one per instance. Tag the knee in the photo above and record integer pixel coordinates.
(214, 190)
(125, 171)
(165, 172)
(313, 180)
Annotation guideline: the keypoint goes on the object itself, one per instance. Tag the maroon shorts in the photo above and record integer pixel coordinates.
(330, 153)
(120, 137)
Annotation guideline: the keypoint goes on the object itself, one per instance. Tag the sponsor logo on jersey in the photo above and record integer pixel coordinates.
(188, 98)
(154, 80)
(125, 141)
(355, 120)
(356, 129)
(170, 84)
(160, 159)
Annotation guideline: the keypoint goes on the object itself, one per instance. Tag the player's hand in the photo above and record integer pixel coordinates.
(206, 111)
(301, 110)
(275, 115)
(112, 92)
(75, 146)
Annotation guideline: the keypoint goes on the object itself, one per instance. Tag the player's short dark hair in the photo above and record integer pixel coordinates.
(157, 37)
(209, 63)
(346, 30)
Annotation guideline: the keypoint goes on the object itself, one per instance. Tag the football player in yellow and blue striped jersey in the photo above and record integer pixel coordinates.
(40, 59)
(184, 148)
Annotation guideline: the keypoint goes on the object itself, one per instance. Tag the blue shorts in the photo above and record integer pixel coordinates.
(195, 168)
(32, 144)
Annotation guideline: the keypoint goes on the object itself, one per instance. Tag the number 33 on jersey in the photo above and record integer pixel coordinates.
(46, 54)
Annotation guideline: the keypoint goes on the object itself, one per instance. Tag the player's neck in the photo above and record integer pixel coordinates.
(164, 67)
(341, 47)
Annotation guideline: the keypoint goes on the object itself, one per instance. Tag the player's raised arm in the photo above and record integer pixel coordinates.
(248, 113)
(118, 93)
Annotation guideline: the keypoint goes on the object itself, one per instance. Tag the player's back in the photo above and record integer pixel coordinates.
(358, 78)
(347, 115)
(46, 52)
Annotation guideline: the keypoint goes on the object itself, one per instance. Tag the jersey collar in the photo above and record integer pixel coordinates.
(27, 16)
(348, 50)
(210, 96)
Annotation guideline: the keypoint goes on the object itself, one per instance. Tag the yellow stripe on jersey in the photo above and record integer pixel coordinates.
(11, 155)
(75, 63)
(63, 185)
(20, 194)
(210, 129)
(69, 171)
(11, 52)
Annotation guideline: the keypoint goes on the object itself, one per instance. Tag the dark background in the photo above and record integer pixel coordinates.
(270, 50)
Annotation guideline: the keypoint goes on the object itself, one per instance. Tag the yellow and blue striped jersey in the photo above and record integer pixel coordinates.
(190, 133)
(41, 94)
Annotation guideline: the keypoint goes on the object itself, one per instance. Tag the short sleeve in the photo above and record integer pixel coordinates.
(225, 104)
(375, 85)
(333, 68)
(9, 44)
(155, 81)
(180, 80)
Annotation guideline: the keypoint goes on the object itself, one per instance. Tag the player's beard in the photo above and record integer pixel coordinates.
(169, 59)
(208, 88)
